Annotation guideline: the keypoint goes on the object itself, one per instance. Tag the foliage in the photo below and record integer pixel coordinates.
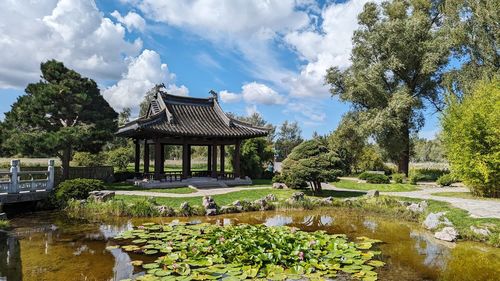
(398, 57)
(145, 207)
(4, 224)
(288, 137)
(254, 154)
(471, 136)
(371, 160)
(120, 157)
(62, 112)
(426, 174)
(248, 252)
(377, 178)
(427, 150)
(446, 180)
(87, 159)
(398, 178)
(148, 97)
(311, 161)
(76, 189)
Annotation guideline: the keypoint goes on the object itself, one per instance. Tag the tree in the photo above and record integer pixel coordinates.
(398, 59)
(471, 137)
(124, 116)
(311, 161)
(427, 150)
(348, 142)
(61, 113)
(288, 137)
(255, 153)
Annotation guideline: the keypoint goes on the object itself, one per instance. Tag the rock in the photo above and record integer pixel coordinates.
(229, 209)
(297, 196)
(279, 185)
(328, 200)
(372, 193)
(433, 220)
(185, 208)
(271, 197)
(480, 231)
(237, 204)
(101, 196)
(210, 212)
(165, 211)
(260, 204)
(209, 203)
(447, 234)
(417, 207)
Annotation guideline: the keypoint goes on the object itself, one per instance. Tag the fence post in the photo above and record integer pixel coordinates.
(50, 178)
(14, 178)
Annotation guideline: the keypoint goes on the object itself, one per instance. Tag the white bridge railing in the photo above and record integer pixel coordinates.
(16, 181)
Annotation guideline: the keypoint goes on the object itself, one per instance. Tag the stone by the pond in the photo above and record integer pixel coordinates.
(237, 204)
(260, 204)
(480, 231)
(372, 193)
(210, 212)
(229, 209)
(271, 197)
(279, 185)
(327, 200)
(297, 196)
(433, 220)
(417, 207)
(101, 196)
(165, 211)
(208, 202)
(447, 234)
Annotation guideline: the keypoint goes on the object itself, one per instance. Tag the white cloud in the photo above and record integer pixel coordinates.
(72, 31)
(132, 20)
(251, 109)
(229, 97)
(143, 73)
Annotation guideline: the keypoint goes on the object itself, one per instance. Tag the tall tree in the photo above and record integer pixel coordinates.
(288, 137)
(62, 112)
(398, 60)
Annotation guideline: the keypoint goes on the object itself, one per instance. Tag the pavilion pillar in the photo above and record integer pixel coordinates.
(158, 164)
(222, 154)
(162, 163)
(214, 161)
(186, 157)
(209, 159)
(137, 160)
(236, 159)
(146, 157)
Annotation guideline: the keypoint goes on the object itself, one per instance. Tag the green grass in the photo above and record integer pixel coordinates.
(228, 198)
(465, 195)
(131, 187)
(394, 187)
(4, 224)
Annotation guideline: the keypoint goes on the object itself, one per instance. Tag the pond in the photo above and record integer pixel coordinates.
(47, 246)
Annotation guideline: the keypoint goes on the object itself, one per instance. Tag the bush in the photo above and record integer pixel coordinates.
(471, 137)
(371, 160)
(398, 178)
(87, 159)
(364, 175)
(446, 180)
(145, 207)
(76, 189)
(278, 177)
(377, 178)
(426, 174)
(120, 157)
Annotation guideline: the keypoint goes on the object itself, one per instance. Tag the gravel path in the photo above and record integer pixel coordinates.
(198, 193)
(476, 208)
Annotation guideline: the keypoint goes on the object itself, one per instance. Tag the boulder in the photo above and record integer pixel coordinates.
(210, 212)
(237, 204)
(297, 196)
(185, 209)
(279, 185)
(101, 196)
(229, 209)
(372, 193)
(447, 234)
(480, 231)
(208, 202)
(433, 220)
(271, 197)
(260, 204)
(165, 211)
(417, 207)
(328, 200)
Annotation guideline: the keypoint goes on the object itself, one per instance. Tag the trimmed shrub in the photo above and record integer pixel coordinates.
(278, 178)
(76, 189)
(446, 180)
(364, 175)
(87, 159)
(398, 178)
(377, 178)
(120, 157)
(426, 174)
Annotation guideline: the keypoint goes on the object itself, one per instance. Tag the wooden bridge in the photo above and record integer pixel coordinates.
(22, 186)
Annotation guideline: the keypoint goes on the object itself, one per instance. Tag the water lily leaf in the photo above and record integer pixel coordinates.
(150, 265)
(376, 263)
(136, 263)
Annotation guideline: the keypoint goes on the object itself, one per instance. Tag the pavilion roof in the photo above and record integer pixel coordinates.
(170, 115)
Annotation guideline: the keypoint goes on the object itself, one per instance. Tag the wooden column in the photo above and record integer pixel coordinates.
(236, 159)
(158, 164)
(185, 161)
(209, 159)
(214, 161)
(137, 160)
(222, 154)
(189, 160)
(162, 158)
(146, 157)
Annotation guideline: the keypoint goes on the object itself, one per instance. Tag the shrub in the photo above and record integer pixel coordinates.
(371, 160)
(145, 207)
(446, 180)
(87, 159)
(364, 175)
(398, 178)
(76, 189)
(377, 178)
(120, 157)
(471, 137)
(278, 177)
(427, 174)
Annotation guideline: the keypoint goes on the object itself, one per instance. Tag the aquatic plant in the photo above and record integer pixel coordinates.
(238, 252)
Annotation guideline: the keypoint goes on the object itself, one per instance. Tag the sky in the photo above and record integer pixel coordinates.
(268, 56)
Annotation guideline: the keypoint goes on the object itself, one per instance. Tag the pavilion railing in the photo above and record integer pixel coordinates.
(169, 176)
(225, 175)
(200, 174)
(16, 181)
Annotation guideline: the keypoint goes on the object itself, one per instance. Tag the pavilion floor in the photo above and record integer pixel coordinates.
(197, 182)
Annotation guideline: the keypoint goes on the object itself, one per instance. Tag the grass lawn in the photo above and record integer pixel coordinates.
(465, 195)
(228, 198)
(128, 186)
(349, 184)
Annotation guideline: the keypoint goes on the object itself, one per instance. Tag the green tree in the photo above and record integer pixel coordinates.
(288, 137)
(61, 113)
(255, 153)
(427, 150)
(311, 161)
(348, 141)
(471, 137)
(120, 157)
(398, 58)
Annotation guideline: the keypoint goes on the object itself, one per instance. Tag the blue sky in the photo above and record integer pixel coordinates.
(264, 56)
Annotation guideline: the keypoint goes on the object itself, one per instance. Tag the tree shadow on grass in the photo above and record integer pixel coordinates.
(334, 193)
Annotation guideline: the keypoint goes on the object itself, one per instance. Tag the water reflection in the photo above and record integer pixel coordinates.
(10, 257)
(436, 253)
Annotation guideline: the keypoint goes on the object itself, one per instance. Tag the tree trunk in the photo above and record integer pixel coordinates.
(404, 156)
(66, 158)
(318, 186)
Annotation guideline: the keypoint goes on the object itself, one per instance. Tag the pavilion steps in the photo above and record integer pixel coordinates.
(207, 184)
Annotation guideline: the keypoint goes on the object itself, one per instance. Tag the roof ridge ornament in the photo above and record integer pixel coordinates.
(214, 94)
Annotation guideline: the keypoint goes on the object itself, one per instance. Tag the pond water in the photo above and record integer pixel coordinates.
(48, 246)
